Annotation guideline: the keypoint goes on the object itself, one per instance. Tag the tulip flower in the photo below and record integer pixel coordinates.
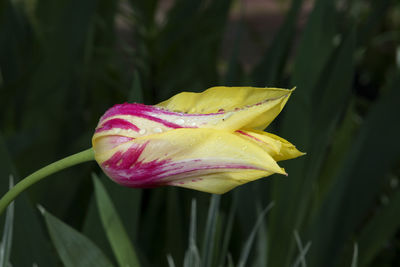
(211, 141)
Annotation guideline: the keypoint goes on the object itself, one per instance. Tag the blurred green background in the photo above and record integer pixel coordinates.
(63, 63)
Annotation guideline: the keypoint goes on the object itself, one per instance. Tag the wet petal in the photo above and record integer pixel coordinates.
(277, 147)
(243, 107)
(192, 158)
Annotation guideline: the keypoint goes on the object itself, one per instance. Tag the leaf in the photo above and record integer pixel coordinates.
(6, 241)
(136, 92)
(268, 71)
(115, 231)
(317, 77)
(357, 185)
(74, 249)
(249, 242)
(209, 234)
(192, 256)
(301, 258)
(27, 232)
(379, 229)
(354, 261)
(228, 231)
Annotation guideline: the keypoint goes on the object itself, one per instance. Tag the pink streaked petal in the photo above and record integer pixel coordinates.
(110, 142)
(140, 111)
(182, 154)
(277, 147)
(117, 123)
(128, 169)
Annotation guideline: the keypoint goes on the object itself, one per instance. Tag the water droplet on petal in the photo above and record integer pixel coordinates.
(157, 130)
(180, 121)
(142, 131)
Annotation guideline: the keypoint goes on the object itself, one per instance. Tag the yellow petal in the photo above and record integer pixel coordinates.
(243, 107)
(277, 147)
(203, 159)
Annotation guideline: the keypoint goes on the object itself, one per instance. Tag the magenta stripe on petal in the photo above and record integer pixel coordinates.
(249, 135)
(136, 108)
(125, 168)
(141, 111)
(117, 123)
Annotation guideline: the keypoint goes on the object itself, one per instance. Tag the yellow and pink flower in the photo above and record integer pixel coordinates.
(210, 141)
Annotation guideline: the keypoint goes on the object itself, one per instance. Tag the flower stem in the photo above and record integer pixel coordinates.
(86, 155)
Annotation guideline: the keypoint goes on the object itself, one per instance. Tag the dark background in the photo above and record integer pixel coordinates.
(63, 63)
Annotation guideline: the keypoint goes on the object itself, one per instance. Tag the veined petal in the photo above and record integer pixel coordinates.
(277, 147)
(203, 159)
(242, 107)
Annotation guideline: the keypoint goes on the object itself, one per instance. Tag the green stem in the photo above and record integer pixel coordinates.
(86, 155)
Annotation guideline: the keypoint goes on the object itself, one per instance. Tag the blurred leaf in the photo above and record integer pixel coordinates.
(354, 261)
(189, 65)
(356, 186)
(301, 258)
(228, 231)
(234, 74)
(367, 28)
(249, 242)
(314, 65)
(95, 231)
(341, 143)
(116, 233)
(73, 248)
(124, 199)
(173, 234)
(6, 241)
(268, 71)
(192, 255)
(27, 228)
(379, 229)
(136, 92)
(209, 235)
(170, 261)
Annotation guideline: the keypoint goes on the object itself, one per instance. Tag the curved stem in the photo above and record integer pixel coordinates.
(86, 155)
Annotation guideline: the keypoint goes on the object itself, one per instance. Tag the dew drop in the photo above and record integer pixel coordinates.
(193, 124)
(180, 121)
(142, 131)
(157, 130)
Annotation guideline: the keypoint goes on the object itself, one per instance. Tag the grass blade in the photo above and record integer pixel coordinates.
(115, 231)
(209, 236)
(228, 232)
(74, 249)
(246, 249)
(301, 260)
(6, 242)
(192, 256)
(354, 261)
(301, 257)
(170, 261)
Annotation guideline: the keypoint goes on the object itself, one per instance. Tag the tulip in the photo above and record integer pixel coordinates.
(211, 141)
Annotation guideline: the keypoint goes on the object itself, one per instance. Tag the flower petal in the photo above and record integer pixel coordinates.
(277, 147)
(246, 107)
(203, 159)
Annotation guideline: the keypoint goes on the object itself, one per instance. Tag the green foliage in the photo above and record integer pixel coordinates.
(73, 248)
(63, 64)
